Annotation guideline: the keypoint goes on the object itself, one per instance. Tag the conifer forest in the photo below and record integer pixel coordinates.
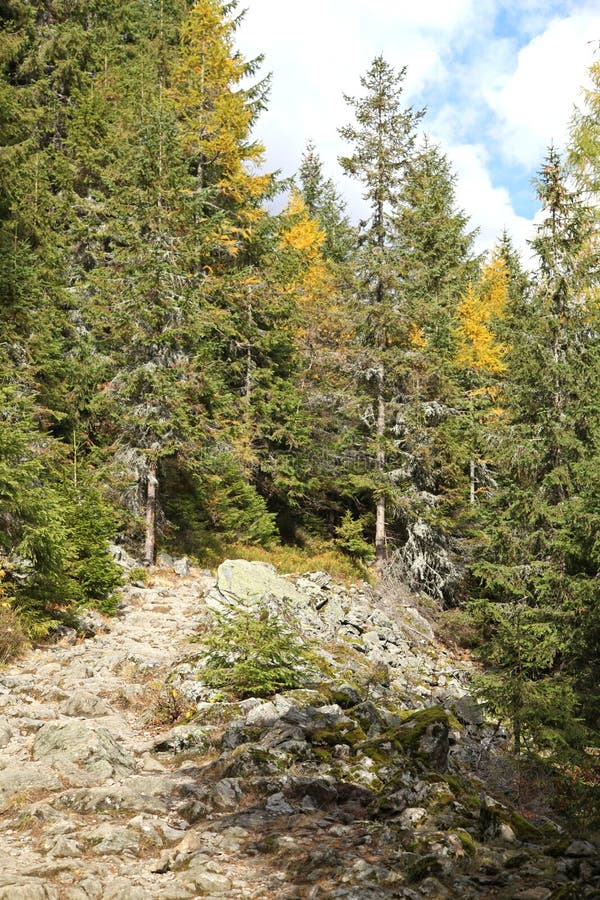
(199, 357)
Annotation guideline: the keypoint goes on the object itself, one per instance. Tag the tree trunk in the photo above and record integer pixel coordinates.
(151, 492)
(380, 542)
(472, 481)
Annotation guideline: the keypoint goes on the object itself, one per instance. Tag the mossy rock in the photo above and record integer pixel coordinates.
(423, 868)
(467, 840)
(333, 735)
(423, 736)
(345, 695)
(306, 697)
(523, 829)
(251, 760)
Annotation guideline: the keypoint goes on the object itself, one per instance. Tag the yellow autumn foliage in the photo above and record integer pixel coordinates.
(480, 307)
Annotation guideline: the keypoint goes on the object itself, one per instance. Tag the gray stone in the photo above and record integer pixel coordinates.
(226, 793)
(107, 839)
(84, 704)
(182, 737)
(278, 805)
(181, 566)
(582, 848)
(412, 816)
(263, 716)
(6, 734)
(130, 797)
(91, 623)
(122, 557)
(21, 889)
(96, 750)
(122, 889)
(164, 560)
(208, 882)
(247, 583)
(23, 778)
(468, 711)
(65, 848)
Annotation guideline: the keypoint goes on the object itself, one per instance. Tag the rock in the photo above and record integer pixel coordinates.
(91, 623)
(242, 583)
(345, 695)
(65, 848)
(85, 705)
(23, 778)
(506, 834)
(164, 560)
(133, 796)
(412, 816)
(6, 734)
(582, 848)
(263, 716)
(252, 760)
(468, 711)
(108, 838)
(21, 889)
(226, 793)
(181, 566)
(183, 737)
(96, 750)
(208, 882)
(121, 557)
(278, 805)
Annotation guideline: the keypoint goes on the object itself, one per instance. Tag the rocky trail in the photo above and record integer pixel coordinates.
(123, 776)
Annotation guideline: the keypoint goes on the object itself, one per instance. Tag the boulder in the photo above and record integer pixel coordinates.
(23, 778)
(181, 566)
(95, 750)
(91, 623)
(243, 583)
(164, 560)
(85, 705)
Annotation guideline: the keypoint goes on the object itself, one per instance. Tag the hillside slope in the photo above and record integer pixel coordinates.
(122, 775)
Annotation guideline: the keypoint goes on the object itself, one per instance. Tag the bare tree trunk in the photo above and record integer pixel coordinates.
(151, 492)
(380, 542)
(472, 481)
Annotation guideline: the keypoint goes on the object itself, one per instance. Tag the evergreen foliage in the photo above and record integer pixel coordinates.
(538, 568)
(253, 653)
(181, 365)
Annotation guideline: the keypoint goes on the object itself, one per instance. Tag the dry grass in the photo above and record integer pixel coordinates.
(314, 557)
(13, 640)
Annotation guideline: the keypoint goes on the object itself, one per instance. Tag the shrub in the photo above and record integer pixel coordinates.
(350, 538)
(254, 654)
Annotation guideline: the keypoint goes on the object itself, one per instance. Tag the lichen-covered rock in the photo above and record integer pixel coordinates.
(84, 704)
(94, 749)
(25, 778)
(242, 583)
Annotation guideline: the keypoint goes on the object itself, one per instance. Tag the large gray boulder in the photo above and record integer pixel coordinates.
(245, 584)
(94, 749)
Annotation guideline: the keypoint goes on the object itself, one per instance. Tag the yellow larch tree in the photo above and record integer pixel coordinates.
(481, 355)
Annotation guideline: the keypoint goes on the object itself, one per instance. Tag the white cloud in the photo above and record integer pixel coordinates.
(535, 102)
(489, 206)
(492, 101)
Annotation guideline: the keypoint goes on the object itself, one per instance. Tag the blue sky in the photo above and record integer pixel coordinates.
(499, 79)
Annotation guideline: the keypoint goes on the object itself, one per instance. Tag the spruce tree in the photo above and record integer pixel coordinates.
(540, 567)
(382, 145)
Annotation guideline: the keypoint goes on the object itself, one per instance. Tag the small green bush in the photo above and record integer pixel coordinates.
(254, 654)
(350, 538)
